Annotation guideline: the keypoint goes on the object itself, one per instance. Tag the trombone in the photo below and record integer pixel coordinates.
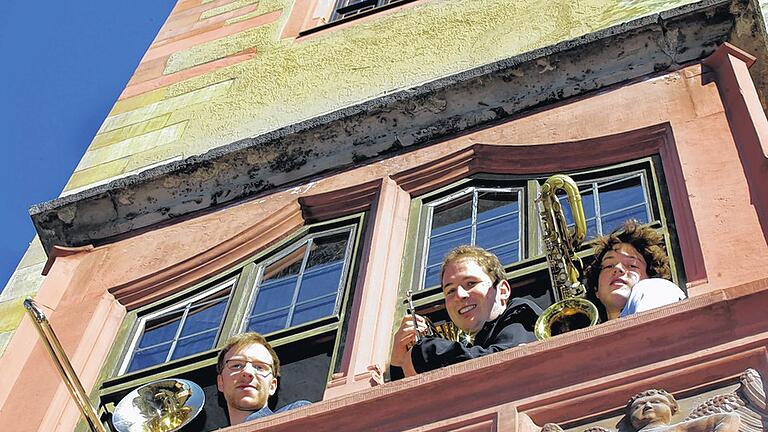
(160, 406)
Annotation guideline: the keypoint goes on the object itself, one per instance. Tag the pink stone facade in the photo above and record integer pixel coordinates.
(705, 123)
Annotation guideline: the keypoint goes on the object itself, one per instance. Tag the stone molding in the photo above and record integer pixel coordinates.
(206, 264)
(604, 150)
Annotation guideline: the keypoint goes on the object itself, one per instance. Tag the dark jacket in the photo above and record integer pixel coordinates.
(513, 327)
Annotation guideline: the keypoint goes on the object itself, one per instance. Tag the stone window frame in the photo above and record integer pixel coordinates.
(243, 285)
(238, 257)
(654, 141)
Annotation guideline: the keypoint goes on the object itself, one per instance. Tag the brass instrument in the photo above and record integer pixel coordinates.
(160, 406)
(443, 329)
(60, 359)
(571, 310)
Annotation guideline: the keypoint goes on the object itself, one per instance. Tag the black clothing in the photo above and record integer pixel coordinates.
(513, 327)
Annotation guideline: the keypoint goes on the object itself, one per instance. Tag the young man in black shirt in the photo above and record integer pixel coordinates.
(478, 300)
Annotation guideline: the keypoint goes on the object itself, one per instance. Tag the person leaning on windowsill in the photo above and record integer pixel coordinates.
(247, 372)
(631, 273)
(478, 300)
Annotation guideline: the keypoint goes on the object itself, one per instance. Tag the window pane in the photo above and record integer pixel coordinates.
(432, 277)
(148, 357)
(439, 246)
(615, 220)
(587, 203)
(204, 317)
(269, 322)
(621, 194)
(328, 249)
(160, 329)
(289, 265)
(279, 282)
(508, 253)
(275, 294)
(493, 204)
(313, 310)
(194, 344)
(452, 215)
(498, 231)
(320, 281)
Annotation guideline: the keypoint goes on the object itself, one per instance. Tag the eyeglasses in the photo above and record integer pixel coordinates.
(238, 365)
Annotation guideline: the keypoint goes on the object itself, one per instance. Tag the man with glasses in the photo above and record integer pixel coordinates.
(248, 369)
(478, 300)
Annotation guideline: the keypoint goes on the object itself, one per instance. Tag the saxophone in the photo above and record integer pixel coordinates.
(571, 310)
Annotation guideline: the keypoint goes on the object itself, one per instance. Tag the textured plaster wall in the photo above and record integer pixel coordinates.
(285, 81)
(219, 72)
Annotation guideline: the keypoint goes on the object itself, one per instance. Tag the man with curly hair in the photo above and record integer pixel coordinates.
(631, 273)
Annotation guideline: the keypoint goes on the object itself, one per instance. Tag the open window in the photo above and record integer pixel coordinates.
(498, 213)
(296, 294)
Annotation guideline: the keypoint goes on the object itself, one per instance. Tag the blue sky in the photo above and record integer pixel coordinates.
(62, 66)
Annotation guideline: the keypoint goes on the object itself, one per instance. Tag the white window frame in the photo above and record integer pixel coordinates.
(184, 304)
(307, 239)
(475, 191)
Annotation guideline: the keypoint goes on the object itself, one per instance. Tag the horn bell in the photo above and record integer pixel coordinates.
(161, 406)
(566, 315)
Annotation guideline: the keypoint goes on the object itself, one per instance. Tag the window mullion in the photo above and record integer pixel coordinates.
(646, 192)
(344, 269)
(473, 230)
(300, 277)
(598, 215)
(178, 331)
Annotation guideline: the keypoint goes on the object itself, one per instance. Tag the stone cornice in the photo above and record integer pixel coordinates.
(388, 125)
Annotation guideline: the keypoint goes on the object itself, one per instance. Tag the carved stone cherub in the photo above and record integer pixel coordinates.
(743, 410)
(652, 410)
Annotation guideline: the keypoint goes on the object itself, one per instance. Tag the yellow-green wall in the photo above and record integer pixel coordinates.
(288, 81)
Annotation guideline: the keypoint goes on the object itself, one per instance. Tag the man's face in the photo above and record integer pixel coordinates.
(621, 269)
(247, 379)
(654, 409)
(470, 297)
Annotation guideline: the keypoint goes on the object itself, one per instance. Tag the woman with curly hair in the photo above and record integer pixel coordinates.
(631, 273)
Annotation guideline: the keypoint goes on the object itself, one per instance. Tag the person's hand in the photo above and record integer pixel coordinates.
(405, 338)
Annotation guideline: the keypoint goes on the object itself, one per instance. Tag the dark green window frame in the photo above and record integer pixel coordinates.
(529, 275)
(327, 330)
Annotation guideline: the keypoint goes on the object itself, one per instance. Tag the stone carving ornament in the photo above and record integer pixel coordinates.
(743, 410)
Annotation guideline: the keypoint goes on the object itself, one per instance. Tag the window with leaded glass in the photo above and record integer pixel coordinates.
(297, 286)
(610, 201)
(351, 8)
(295, 292)
(486, 217)
(498, 213)
(302, 284)
(181, 330)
